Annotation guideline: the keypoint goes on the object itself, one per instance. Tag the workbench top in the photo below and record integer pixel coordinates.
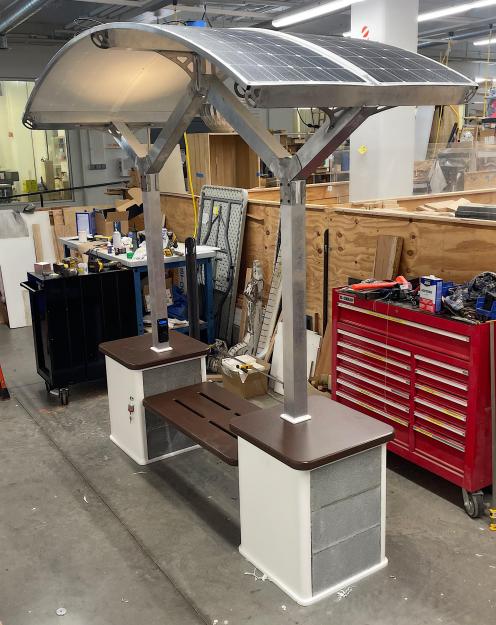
(202, 251)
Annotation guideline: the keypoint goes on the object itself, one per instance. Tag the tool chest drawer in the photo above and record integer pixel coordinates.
(426, 375)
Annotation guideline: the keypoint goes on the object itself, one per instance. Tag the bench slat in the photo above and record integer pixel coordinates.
(203, 412)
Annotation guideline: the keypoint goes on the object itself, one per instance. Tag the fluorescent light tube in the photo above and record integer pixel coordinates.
(485, 42)
(454, 10)
(316, 11)
(347, 33)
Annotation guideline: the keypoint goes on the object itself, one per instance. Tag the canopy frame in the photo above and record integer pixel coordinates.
(355, 102)
(292, 172)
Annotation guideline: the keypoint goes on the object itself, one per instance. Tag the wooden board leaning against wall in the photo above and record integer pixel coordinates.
(449, 247)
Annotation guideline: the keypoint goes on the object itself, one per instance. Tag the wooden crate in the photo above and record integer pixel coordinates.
(222, 159)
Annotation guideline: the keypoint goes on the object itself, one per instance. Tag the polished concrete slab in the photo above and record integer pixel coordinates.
(177, 523)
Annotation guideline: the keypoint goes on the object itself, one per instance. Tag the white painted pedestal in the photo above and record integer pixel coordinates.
(318, 529)
(135, 372)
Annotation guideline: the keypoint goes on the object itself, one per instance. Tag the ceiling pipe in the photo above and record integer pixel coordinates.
(20, 14)
(461, 37)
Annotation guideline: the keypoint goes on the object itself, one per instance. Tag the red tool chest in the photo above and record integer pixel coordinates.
(428, 376)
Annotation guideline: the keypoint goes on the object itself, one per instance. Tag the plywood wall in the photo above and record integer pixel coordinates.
(444, 246)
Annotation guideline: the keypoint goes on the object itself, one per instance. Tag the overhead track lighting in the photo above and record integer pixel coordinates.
(454, 10)
(486, 42)
(312, 12)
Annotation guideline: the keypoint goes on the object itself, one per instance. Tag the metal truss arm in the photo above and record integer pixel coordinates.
(127, 140)
(248, 127)
(326, 140)
(173, 129)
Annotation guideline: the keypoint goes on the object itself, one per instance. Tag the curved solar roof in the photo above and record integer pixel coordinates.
(124, 71)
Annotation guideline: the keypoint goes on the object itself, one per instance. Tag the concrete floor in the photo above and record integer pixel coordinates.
(84, 528)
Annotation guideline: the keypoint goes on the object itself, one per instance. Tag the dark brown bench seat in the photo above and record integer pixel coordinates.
(203, 412)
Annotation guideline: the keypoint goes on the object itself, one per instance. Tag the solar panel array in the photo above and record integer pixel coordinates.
(262, 57)
(386, 63)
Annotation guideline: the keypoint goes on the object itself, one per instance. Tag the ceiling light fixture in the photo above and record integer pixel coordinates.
(313, 12)
(460, 8)
(485, 42)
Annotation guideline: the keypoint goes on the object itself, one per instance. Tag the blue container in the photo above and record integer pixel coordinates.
(481, 311)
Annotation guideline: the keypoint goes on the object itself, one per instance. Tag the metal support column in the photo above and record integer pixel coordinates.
(293, 257)
(154, 254)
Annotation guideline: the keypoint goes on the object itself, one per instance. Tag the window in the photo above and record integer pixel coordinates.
(30, 160)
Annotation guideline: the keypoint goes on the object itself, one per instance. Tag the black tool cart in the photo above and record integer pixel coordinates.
(71, 316)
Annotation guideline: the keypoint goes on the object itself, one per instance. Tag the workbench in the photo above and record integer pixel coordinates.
(205, 257)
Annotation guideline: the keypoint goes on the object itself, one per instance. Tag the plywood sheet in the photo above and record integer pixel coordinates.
(387, 257)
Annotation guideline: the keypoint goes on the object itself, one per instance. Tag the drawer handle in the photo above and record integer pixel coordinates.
(370, 394)
(439, 378)
(372, 342)
(447, 396)
(443, 365)
(412, 324)
(388, 361)
(450, 413)
(445, 441)
(440, 424)
(372, 408)
(364, 378)
(388, 374)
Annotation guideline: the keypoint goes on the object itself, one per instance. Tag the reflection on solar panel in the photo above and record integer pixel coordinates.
(263, 57)
(387, 64)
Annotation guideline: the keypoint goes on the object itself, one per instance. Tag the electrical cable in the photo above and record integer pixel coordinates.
(313, 126)
(190, 182)
(205, 16)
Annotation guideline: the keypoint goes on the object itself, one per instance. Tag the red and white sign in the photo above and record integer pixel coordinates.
(365, 32)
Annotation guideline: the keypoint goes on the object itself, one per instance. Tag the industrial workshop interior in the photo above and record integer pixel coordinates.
(247, 312)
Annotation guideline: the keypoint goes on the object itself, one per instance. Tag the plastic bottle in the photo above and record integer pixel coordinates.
(116, 237)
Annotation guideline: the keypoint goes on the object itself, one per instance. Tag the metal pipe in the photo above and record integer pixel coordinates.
(21, 14)
(492, 369)
(192, 288)
(461, 37)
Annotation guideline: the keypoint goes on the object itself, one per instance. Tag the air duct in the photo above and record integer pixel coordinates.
(460, 37)
(20, 14)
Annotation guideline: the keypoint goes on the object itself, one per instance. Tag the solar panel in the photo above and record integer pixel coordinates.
(262, 57)
(385, 63)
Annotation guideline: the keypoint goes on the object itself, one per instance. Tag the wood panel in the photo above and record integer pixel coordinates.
(179, 214)
(479, 180)
(442, 245)
(338, 191)
(222, 159)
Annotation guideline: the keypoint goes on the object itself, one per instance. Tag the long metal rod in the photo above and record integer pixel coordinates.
(261, 141)
(293, 256)
(23, 12)
(192, 288)
(492, 369)
(154, 254)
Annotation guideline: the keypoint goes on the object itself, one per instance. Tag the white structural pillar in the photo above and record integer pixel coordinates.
(382, 149)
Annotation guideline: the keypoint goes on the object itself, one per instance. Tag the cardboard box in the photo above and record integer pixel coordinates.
(105, 222)
(246, 384)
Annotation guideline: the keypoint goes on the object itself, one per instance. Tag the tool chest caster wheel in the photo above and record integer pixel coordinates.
(473, 503)
(64, 396)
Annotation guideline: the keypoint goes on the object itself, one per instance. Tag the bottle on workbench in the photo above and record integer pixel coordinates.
(116, 237)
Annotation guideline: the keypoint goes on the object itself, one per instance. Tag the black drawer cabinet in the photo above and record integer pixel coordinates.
(71, 317)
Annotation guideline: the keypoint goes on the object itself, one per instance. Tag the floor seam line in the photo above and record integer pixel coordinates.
(141, 546)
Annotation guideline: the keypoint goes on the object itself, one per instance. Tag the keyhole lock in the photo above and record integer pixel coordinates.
(130, 408)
